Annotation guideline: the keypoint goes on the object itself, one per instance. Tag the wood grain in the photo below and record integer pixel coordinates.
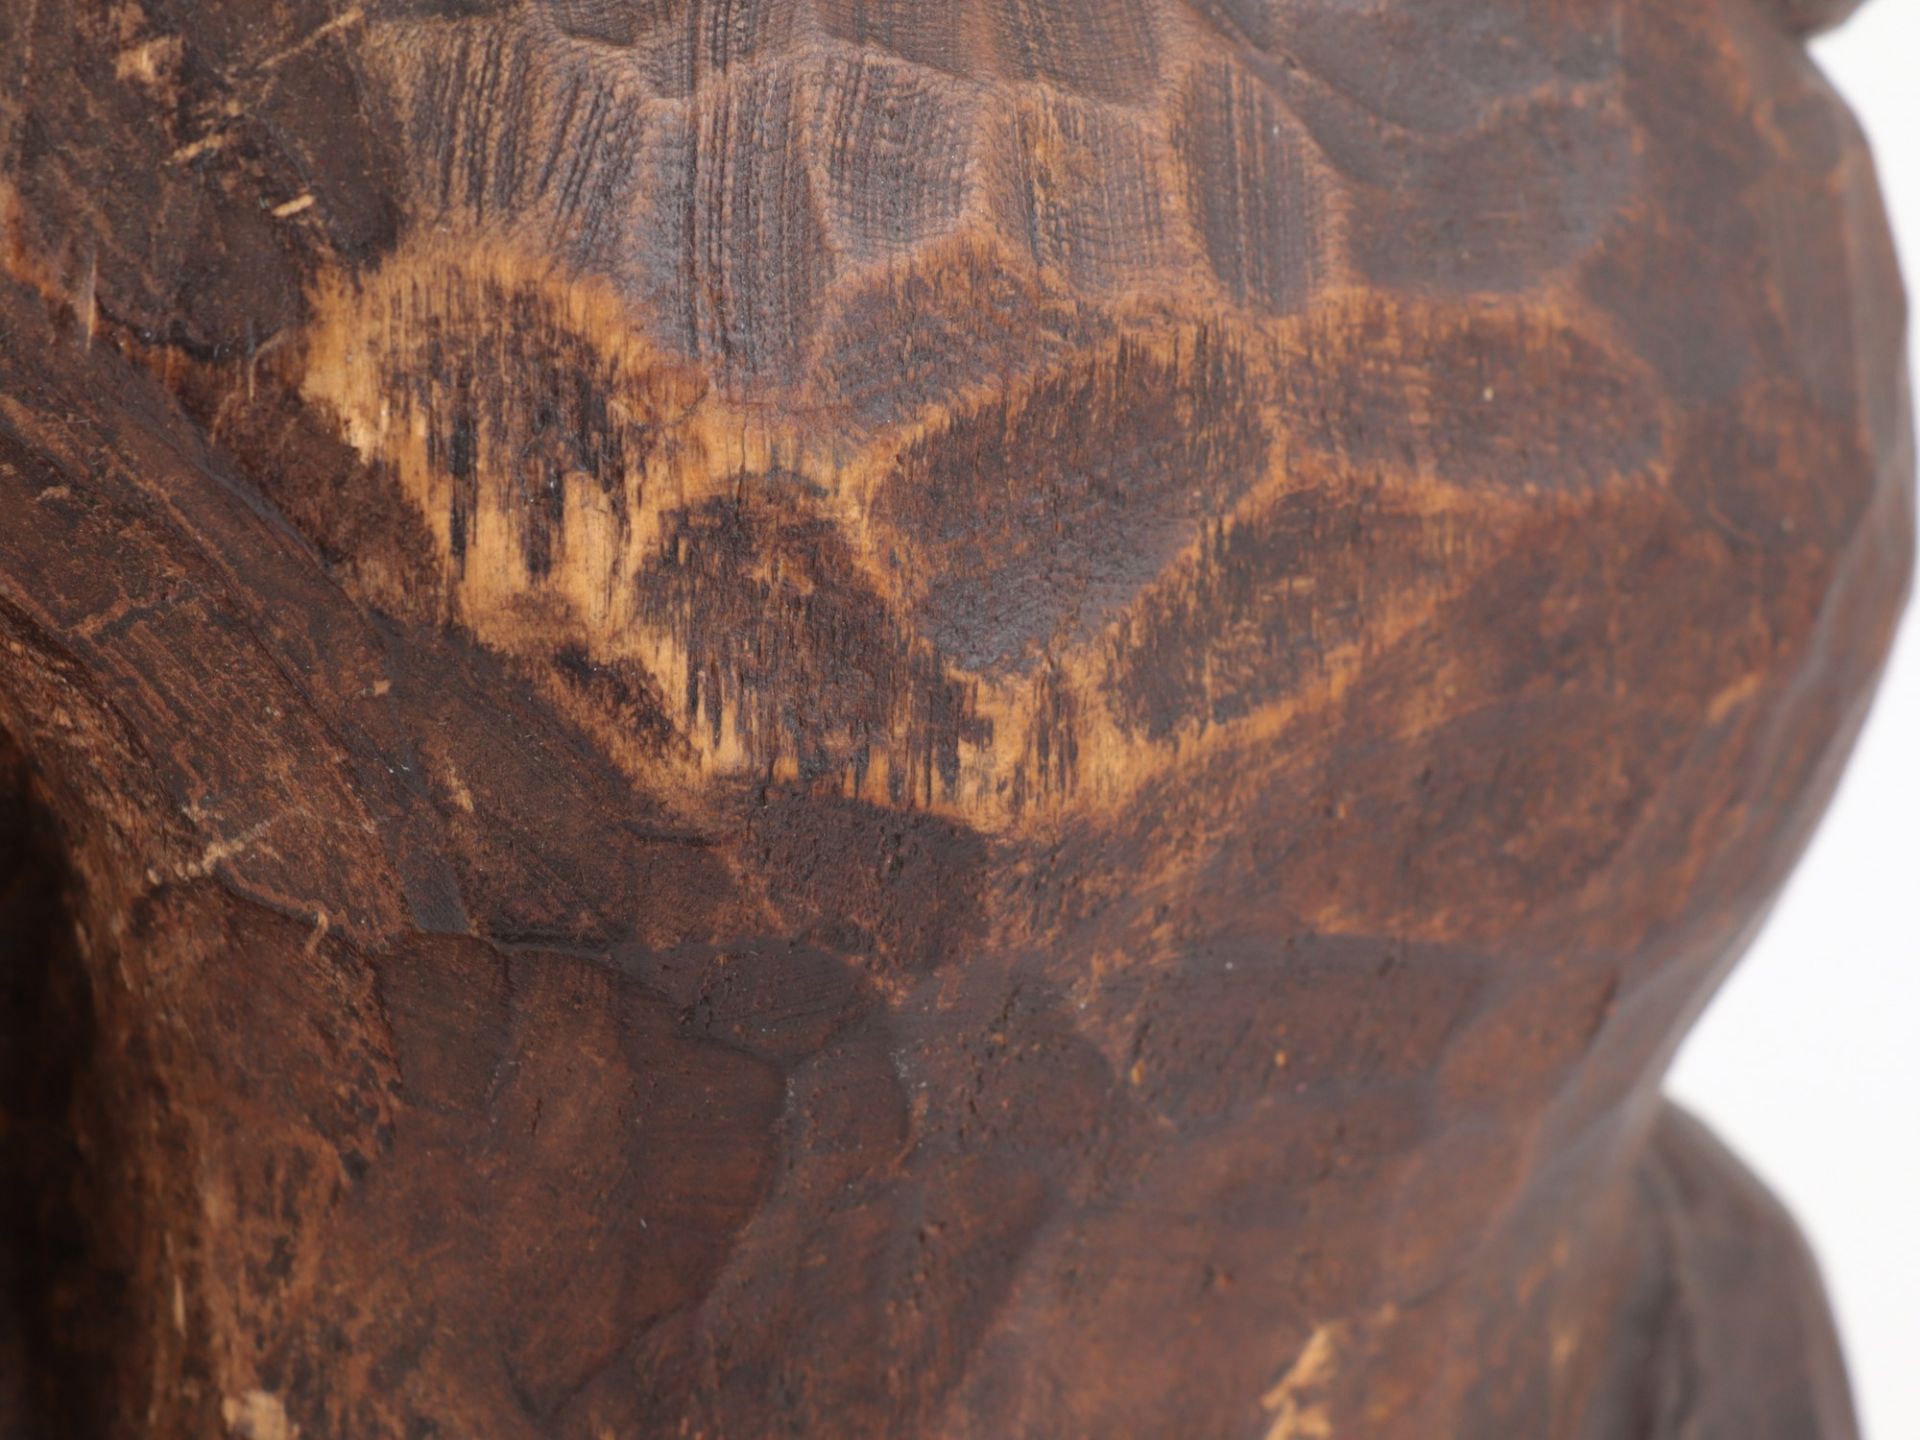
(735, 718)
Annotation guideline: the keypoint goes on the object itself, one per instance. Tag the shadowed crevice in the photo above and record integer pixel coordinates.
(60, 1287)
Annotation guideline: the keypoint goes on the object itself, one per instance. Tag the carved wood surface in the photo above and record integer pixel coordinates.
(1009, 718)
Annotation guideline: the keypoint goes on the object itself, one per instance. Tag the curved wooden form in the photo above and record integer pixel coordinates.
(1007, 718)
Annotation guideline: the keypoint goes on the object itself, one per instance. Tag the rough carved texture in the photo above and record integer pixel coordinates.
(734, 718)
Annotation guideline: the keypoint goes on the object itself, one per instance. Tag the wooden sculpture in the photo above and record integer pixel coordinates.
(964, 719)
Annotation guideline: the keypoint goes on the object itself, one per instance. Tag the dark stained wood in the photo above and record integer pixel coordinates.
(1009, 718)
(1810, 15)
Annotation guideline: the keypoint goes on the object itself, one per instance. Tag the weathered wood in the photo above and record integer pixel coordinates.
(1033, 718)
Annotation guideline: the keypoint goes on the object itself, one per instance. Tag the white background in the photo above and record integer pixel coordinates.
(1808, 1062)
